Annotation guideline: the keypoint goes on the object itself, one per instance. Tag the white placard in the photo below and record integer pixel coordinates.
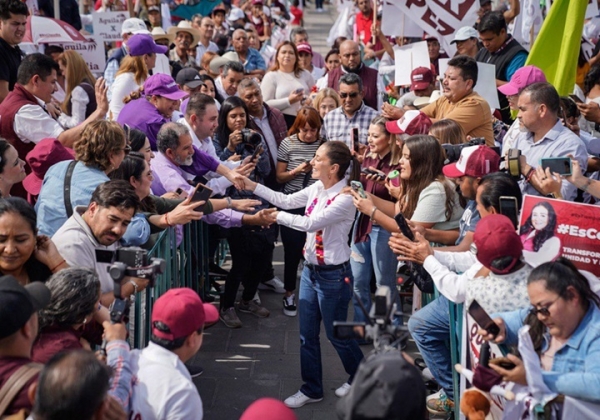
(408, 58)
(592, 9)
(107, 25)
(92, 52)
(395, 23)
(486, 82)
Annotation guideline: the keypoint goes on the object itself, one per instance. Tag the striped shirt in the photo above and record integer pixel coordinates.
(294, 152)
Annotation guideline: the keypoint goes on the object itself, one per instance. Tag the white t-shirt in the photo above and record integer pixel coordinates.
(123, 86)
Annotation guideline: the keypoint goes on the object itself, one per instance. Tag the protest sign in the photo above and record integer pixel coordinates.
(592, 9)
(551, 228)
(395, 23)
(107, 25)
(408, 58)
(92, 52)
(486, 82)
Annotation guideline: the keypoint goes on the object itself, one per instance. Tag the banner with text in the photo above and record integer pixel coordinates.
(551, 228)
(107, 25)
(92, 52)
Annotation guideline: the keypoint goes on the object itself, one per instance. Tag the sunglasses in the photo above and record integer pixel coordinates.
(352, 95)
(544, 310)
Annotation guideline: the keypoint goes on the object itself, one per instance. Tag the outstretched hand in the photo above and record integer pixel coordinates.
(410, 251)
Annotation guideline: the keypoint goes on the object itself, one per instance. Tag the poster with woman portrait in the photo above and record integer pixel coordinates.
(551, 228)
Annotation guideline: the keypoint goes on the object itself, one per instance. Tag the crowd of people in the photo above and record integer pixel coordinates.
(233, 118)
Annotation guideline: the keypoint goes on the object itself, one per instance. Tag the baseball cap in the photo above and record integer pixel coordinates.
(153, 9)
(475, 161)
(140, 44)
(257, 2)
(219, 9)
(189, 77)
(522, 78)
(495, 237)
(268, 408)
(181, 310)
(18, 303)
(163, 85)
(304, 47)
(420, 78)
(412, 122)
(134, 26)
(235, 14)
(386, 386)
(45, 154)
(464, 33)
(484, 2)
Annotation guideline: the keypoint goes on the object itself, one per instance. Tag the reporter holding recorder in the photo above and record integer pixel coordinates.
(324, 293)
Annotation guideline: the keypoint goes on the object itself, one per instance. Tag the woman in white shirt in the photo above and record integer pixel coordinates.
(286, 87)
(80, 94)
(324, 293)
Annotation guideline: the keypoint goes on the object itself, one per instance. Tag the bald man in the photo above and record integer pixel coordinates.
(254, 64)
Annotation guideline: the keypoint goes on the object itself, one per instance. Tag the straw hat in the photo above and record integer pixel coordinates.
(185, 26)
(159, 33)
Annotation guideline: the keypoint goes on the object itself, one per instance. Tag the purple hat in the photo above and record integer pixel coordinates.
(140, 44)
(163, 85)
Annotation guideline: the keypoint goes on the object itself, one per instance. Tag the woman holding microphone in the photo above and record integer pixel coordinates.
(324, 293)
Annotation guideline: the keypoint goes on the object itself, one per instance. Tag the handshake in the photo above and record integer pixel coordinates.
(265, 217)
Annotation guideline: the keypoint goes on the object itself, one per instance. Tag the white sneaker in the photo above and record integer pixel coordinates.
(289, 305)
(256, 298)
(299, 399)
(343, 390)
(274, 285)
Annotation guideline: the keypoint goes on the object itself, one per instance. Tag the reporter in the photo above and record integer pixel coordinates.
(565, 329)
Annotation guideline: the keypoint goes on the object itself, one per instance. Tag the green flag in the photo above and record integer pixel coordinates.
(556, 48)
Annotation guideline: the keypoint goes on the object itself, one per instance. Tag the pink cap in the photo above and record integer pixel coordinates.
(475, 161)
(522, 78)
(412, 122)
(268, 408)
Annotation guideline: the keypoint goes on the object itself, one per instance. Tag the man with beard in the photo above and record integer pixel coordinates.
(351, 63)
(13, 16)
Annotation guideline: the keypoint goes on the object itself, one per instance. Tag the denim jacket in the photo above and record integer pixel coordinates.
(576, 367)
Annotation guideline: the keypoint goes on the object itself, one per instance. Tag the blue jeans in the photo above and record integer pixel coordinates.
(324, 296)
(430, 328)
(374, 252)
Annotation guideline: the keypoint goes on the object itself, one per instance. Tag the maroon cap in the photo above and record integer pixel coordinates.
(45, 154)
(475, 161)
(163, 85)
(412, 122)
(257, 2)
(181, 310)
(495, 237)
(304, 47)
(421, 78)
(268, 408)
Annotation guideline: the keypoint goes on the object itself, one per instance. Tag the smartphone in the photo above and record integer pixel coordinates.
(358, 187)
(256, 153)
(510, 209)
(201, 193)
(561, 165)
(483, 319)
(576, 99)
(503, 362)
(367, 171)
(178, 191)
(403, 226)
(355, 140)
(299, 90)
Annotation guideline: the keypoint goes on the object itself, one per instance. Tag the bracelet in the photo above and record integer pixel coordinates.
(585, 187)
(57, 265)
(135, 286)
(529, 174)
(373, 213)
(228, 202)
(167, 219)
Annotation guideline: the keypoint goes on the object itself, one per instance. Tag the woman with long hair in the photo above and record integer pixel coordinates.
(537, 234)
(12, 169)
(447, 132)
(80, 95)
(326, 282)
(294, 172)
(370, 251)
(425, 196)
(563, 319)
(286, 86)
(138, 142)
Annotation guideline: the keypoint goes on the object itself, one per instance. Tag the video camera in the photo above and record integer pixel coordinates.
(379, 326)
(453, 150)
(134, 262)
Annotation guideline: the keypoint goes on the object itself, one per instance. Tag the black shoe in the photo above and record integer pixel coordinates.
(216, 270)
(194, 371)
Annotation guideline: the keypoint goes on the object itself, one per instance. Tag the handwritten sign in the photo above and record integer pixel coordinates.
(107, 25)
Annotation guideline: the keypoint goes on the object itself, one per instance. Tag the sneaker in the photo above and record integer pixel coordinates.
(299, 399)
(343, 390)
(256, 298)
(439, 404)
(230, 318)
(194, 371)
(289, 305)
(253, 308)
(274, 285)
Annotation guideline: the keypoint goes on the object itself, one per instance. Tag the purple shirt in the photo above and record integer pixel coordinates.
(168, 177)
(144, 116)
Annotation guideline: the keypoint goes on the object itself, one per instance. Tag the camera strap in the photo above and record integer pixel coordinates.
(67, 188)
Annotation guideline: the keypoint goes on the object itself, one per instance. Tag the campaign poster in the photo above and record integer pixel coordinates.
(92, 52)
(553, 228)
(107, 25)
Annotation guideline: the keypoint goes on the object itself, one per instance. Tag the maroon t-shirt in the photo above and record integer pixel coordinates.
(53, 340)
(8, 366)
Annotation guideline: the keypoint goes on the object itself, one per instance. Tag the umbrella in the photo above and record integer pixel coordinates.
(43, 30)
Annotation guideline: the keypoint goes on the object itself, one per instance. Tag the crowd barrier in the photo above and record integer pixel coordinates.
(185, 251)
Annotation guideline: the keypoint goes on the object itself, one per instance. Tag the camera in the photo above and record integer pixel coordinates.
(453, 150)
(514, 165)
(250, 138)
(379, 326)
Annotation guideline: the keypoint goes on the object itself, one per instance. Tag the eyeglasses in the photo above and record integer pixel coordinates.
(352, 95)
(544, 310)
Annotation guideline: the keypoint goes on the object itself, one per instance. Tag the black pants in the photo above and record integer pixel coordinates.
(293, 242)
(251, 251)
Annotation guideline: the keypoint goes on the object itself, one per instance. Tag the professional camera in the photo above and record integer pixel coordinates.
(250, 138)
(514, 164)
(134, 262)
(453, 150)
(379, 326)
